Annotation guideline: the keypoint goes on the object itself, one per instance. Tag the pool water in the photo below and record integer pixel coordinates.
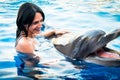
(73, 15)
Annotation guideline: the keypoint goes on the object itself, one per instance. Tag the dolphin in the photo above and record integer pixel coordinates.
(81, 47)
(84, 46)
(87, 43)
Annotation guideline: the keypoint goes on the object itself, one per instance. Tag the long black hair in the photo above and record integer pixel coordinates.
(25, 16)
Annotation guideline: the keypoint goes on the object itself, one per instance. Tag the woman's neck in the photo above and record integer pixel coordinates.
(30, 35)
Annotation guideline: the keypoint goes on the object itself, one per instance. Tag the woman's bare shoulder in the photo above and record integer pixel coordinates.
(25, 45)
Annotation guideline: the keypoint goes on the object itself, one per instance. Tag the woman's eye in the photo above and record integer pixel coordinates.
(36, 22)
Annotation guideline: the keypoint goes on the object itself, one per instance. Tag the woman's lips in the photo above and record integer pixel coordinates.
(37, 29)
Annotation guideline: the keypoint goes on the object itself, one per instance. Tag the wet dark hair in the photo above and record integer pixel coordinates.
(25, 16)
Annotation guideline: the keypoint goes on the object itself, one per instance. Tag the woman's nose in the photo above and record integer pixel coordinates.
(40, 24)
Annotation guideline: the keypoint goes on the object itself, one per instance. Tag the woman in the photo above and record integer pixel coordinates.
(29, 22)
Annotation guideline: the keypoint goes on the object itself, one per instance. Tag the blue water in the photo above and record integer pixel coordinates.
(73, 15)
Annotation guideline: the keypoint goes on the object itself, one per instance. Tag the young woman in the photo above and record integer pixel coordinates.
(29, 21)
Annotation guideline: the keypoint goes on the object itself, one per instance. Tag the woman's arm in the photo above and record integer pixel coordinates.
(48, 33)
(53, 32)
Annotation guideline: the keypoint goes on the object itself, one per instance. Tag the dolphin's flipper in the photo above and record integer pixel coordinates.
(87, 43)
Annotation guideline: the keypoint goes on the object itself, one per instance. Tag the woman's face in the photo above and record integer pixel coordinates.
(36, 24)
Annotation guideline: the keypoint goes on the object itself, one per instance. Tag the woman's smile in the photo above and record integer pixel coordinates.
(37, 30)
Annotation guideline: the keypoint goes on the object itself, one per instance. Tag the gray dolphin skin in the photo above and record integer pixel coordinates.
(87, 43)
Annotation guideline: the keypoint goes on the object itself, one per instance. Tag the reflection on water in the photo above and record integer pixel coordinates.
(74, 15)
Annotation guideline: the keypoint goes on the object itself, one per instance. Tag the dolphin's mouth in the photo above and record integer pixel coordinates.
(104, 56)
(107, 54)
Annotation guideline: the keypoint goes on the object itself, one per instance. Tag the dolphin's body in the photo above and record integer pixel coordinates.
(82, 46)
